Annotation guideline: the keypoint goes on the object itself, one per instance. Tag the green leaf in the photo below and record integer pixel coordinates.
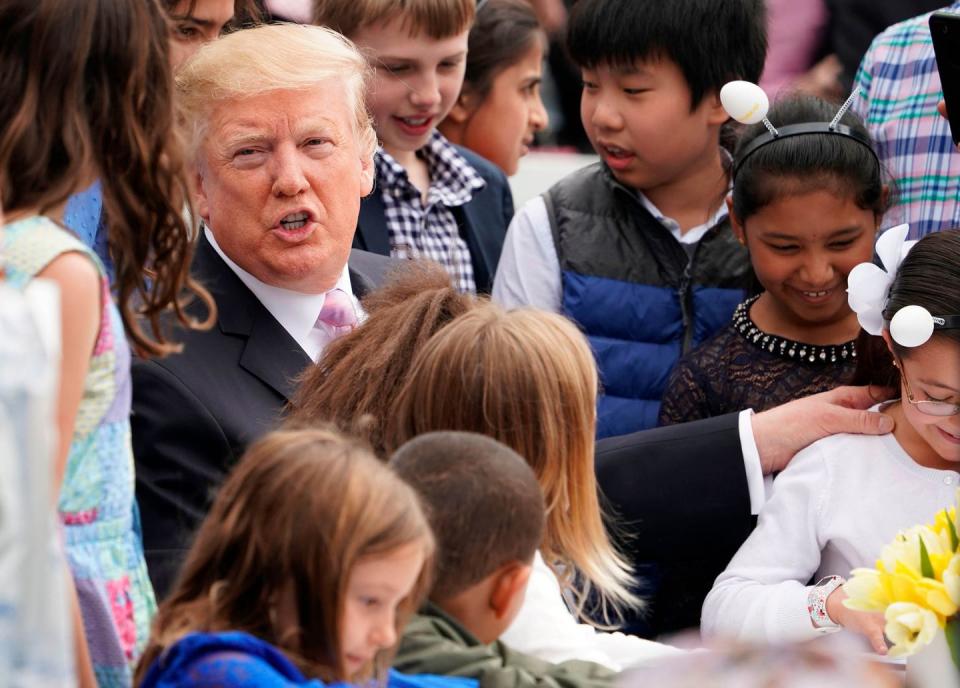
(926, 568)
(954, 540)
(952, 632)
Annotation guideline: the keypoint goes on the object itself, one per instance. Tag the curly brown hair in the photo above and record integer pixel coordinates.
(358, 377)
(81, 98)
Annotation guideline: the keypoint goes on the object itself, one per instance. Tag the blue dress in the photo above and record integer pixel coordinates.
(234, 659)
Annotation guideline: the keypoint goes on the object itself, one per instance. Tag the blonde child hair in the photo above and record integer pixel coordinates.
(528, 379)
(300, 510)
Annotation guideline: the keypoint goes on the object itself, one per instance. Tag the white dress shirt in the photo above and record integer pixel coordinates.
(832, 510)
(295, 311)
(546, 629)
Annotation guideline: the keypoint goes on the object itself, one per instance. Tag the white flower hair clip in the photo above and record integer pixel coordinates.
(868, 289)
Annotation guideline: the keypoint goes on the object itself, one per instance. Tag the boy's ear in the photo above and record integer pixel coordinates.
(510, 583)
(716, 115)
(735, 224)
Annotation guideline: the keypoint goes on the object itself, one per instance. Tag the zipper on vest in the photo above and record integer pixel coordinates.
(686, 304)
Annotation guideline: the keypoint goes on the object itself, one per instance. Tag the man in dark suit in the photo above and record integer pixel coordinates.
(280, 175)
(482, 222)
(686, 496)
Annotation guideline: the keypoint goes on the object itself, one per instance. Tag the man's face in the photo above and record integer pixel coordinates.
(195, 22)
(281, 176)
(417, 81)
(639, 121)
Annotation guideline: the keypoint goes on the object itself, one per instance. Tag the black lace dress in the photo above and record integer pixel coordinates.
(744, 367)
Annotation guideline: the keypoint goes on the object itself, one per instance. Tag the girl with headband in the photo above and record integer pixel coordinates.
(845, 497)
(806, 202)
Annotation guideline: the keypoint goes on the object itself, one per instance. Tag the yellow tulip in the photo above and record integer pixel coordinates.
(951, 579)
(909, 627)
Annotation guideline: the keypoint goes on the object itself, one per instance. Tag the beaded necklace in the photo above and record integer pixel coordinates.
(789, 348)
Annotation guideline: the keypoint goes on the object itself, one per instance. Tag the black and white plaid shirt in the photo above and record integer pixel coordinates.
(429, 229)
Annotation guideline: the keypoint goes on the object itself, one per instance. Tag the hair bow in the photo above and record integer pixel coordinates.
(868, 286)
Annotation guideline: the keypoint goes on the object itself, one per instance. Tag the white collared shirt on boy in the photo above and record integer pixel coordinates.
(295, 311)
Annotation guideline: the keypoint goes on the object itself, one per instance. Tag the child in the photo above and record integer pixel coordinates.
(637, 249)
(72, 109)
(807, 208)
(487, 513)
(306, 567)
(843, 498)
(356, 382)
(526, 378)
(432, 199)
(499, 109)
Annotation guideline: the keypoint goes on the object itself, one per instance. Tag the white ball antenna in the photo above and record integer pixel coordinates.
(744, 101)
(911, 326)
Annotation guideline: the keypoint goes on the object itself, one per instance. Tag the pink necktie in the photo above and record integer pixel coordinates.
(337, 312)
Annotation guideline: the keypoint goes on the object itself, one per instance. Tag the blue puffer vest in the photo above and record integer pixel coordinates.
(636, 292)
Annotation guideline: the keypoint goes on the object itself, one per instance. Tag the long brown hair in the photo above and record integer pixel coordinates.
(299, 510)
(528, 379)
(356, 382)
(86, 90)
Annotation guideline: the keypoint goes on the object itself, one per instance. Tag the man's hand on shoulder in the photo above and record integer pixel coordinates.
(783, 431)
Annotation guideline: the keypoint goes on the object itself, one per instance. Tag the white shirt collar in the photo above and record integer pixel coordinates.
(295, 311)
(692, 235)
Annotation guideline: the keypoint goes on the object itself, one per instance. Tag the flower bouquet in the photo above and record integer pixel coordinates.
(916, 585)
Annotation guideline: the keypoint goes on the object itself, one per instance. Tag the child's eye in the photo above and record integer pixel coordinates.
(187, 32)
(784, 248)
(397, 69)
(841, 245)
(589, 85)
(635, 91)
(449, 65)
(930, 397)
(370, 602)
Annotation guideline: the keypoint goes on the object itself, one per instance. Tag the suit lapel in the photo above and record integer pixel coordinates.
(270, 353)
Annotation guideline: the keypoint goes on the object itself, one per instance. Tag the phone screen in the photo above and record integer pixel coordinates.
(945, 31)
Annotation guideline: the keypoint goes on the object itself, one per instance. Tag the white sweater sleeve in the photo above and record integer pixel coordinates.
(545, 628)
(762, 594)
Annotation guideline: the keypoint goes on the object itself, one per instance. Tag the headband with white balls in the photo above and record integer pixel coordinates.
(748, 104)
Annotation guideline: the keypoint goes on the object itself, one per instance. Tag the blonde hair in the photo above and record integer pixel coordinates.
(435, 18)
(298, 512)
(277, 57)
(528, 379)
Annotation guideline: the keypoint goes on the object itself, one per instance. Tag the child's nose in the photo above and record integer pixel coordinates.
(604, 116)
(426, 92)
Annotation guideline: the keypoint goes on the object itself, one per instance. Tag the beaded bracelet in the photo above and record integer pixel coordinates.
(817, 601)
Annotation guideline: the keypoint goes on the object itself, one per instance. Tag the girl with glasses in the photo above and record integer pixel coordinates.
(843, 498)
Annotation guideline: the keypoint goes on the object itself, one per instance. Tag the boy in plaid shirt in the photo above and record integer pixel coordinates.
(432, 199)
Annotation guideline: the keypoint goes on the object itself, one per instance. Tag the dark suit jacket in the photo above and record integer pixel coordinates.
(483, 221)
(680, 495)
(195, 412)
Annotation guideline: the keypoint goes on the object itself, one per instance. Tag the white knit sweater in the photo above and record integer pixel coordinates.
(832, 510)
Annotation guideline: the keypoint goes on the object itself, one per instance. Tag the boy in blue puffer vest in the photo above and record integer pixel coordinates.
(637, 248)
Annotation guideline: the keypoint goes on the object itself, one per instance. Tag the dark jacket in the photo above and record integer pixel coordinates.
(194, 413)
(483, 221)
(683, 508)
(641, 298)
(435, 643)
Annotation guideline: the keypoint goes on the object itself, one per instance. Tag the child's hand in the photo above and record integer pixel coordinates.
(867, 624)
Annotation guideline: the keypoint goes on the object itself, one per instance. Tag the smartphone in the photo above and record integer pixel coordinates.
(945, 31)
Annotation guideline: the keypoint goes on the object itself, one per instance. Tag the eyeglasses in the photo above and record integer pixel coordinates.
(927, 406)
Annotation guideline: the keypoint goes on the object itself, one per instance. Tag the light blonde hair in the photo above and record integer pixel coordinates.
(300, 510)
(528, 379)
(435, 18)
(278, 57)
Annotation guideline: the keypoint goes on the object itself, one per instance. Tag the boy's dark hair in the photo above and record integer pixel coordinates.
(502, 33)
(711, 41)
(812, 162)
(482, 500)
(929, 276)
